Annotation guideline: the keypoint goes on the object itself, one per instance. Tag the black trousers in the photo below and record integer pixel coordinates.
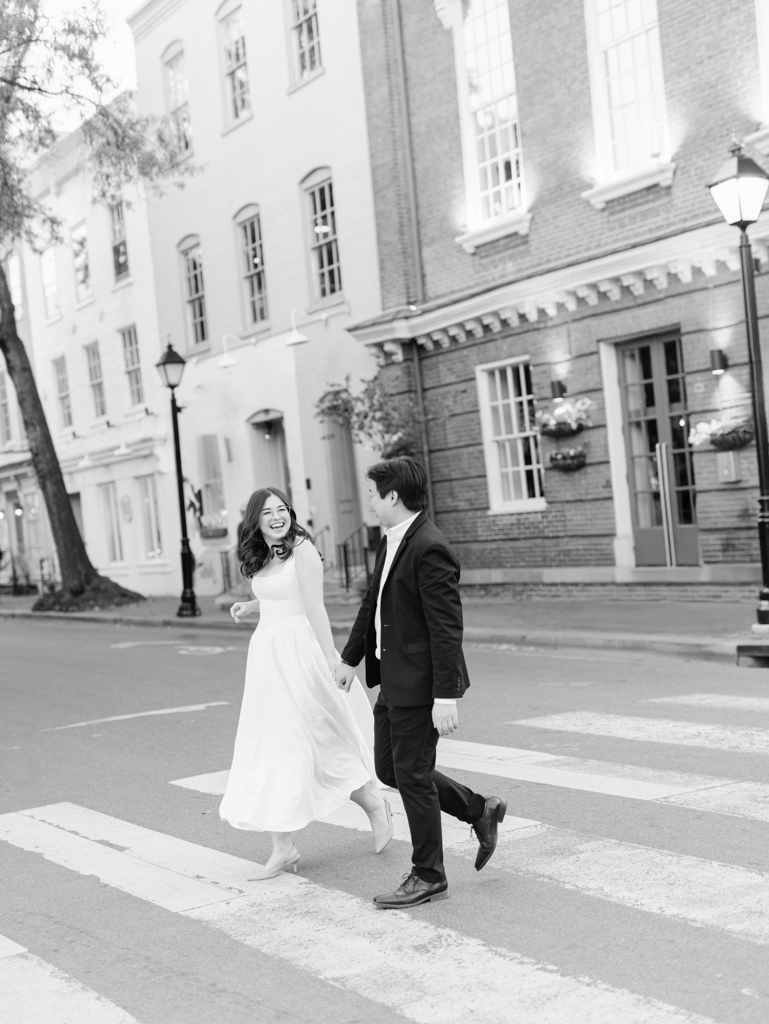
(405, 742)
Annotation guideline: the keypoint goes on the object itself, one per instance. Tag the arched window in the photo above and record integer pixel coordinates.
(248, 226)
(177, 95)
(325, 265)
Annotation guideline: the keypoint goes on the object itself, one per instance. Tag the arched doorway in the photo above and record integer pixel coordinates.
(268, 450)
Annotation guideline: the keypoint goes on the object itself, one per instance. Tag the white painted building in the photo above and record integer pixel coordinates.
(276, 230)
(90, 325)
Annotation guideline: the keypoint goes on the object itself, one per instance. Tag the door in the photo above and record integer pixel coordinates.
(661, 475)
(268, 441)
(343, 479)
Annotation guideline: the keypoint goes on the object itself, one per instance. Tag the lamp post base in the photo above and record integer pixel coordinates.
(188, 609)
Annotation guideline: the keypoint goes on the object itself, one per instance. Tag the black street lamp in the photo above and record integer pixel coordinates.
(171, 367)
(739, 190)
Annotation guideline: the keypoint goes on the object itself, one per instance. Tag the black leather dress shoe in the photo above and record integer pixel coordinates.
(412, 892)
(486, 829)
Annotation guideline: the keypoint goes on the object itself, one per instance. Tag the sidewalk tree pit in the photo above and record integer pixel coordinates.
(54, 58)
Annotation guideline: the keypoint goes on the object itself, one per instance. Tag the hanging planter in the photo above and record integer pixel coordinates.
(724, 436)
(568, 460)
(566, 419)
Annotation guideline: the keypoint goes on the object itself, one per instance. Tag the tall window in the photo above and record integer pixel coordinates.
(493, 133)
(511, 442)
(195, 294)
(178, 105)
(119, 246)
(5, 412)
(50, 282)
(14, 284)
(305, 38)
(80, 258)
(629, 92)
(153, 545)
(62, 390)
(213, 521)
(324, 246)
(235, 68)
(132, 365)
(111, 522)
(252, 262)
(96, 379)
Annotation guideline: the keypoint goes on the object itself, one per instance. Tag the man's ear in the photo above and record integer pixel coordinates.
(395, 499)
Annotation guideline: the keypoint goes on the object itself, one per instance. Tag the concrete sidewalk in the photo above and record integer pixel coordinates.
(694, 628)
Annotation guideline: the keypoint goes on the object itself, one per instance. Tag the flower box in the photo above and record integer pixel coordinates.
(569, 460)
(736, 437)
(561, 429)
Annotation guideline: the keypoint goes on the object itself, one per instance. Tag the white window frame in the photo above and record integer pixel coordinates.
(316, 186)
(252, 276)
(61, 378)
(612, 183)
(50, 277)
(132, 364)
(234, 62)
(96, 379)
(148, 500)
(481, 230)
(80, 262)
(498, 505)
(177, 87)
(295, 27)
(6, 434)
(195, 308)
(111, 513)
(119, 243)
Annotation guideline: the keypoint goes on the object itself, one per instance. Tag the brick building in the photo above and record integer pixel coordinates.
(545, 235)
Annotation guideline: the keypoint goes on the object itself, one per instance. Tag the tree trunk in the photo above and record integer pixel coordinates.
(81, 586)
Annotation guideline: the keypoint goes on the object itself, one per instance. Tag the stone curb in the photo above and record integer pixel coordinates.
(687, 646)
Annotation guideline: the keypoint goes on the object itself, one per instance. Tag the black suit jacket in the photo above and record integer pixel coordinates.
(421, 621)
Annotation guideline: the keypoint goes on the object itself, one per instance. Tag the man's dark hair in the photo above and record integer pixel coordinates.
(404, 475)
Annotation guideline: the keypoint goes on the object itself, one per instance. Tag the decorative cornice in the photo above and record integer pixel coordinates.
(640, 270)
(150, 14)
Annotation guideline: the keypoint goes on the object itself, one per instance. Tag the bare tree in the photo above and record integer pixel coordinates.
(49, 68)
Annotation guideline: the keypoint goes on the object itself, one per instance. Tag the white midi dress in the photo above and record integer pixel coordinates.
(302, 745)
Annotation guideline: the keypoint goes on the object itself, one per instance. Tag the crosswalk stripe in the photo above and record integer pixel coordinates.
(655, 730)
(701, 892)
(351, 816)
(698, 792)
(429, 974)
(34, 992)
(731, 701)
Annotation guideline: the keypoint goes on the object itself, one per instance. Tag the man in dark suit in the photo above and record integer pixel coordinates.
(409, 629)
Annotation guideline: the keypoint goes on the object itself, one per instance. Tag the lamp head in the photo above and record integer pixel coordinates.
(170, 366)
(718, 361)
(557, 390)
(739, 189)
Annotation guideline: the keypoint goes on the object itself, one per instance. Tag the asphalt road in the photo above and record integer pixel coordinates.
(635, 890)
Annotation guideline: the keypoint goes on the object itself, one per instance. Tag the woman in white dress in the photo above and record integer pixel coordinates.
(303, 747)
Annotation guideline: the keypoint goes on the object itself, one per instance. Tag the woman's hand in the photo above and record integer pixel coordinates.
(241, 608)
(333, 660)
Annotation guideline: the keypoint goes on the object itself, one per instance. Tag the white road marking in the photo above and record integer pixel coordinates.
(655, 730)
(351, 816)
(142, 714)
(35, 992)
(701, 892)
(716, 700)
(343, 939)
(699, 792)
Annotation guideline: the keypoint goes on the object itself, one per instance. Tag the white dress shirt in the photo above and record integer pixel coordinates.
(394, 535)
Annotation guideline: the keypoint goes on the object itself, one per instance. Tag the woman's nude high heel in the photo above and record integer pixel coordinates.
(290, 860)
(382, 836)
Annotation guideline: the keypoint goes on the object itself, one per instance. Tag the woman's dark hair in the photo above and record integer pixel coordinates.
(404, 475)
(253, 550)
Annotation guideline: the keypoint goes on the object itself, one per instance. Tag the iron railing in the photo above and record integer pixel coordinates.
(355, 557)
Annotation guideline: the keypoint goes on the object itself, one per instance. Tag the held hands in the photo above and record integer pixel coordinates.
(445, 718)
(344, 676)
